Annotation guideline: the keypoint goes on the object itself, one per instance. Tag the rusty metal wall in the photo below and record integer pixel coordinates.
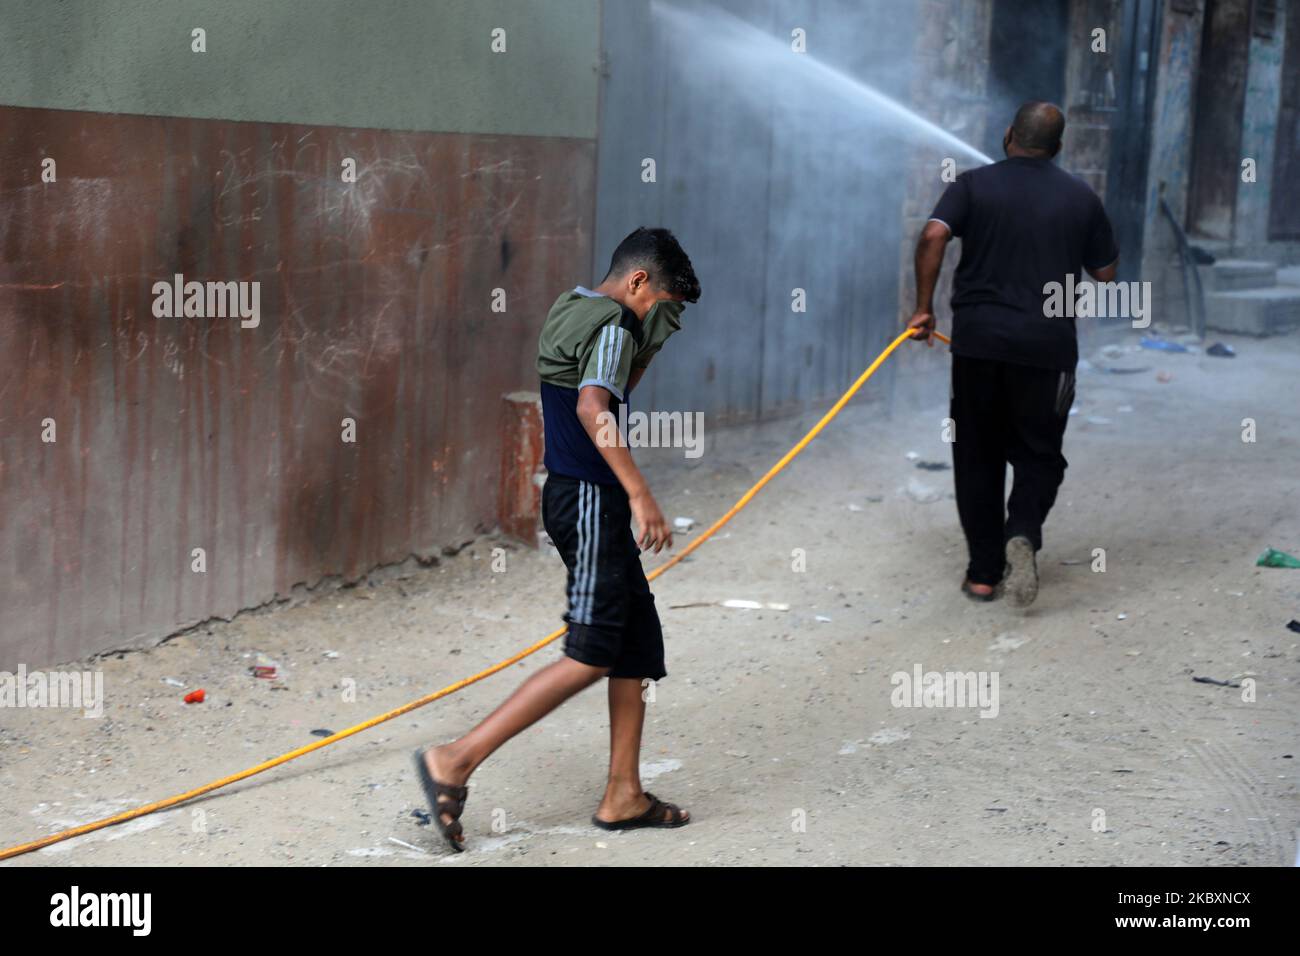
(176, 434)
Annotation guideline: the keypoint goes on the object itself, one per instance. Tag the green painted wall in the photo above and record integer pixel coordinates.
(388, 64)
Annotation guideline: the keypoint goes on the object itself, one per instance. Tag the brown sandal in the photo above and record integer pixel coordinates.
(443, 798)
(653, 817)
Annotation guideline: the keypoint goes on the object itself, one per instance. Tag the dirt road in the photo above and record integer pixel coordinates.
(776, 727)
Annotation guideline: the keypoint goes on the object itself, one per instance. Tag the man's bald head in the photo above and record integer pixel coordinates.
(1037, 128)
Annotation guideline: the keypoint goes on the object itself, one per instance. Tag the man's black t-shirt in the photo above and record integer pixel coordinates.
(1023, 223)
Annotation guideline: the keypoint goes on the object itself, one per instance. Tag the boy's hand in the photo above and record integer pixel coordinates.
(654, 529)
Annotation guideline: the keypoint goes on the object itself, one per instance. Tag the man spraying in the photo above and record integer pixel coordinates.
(1025, 225)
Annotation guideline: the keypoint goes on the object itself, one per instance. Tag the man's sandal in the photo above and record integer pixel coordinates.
(443, 798)
(653, 817)
(1020, 583)
(966, 590)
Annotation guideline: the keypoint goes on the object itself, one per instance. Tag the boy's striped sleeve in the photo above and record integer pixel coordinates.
(609, 364)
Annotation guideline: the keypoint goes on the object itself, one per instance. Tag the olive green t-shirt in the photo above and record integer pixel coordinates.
(588, 339)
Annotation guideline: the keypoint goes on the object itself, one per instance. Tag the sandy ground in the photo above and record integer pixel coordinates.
(776, 728)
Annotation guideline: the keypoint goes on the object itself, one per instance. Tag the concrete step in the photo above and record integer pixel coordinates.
(1254, 311)
(1288, 275)
(1219, 248)
(1235, 275)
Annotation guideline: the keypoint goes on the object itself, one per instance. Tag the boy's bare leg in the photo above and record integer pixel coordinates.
(535, 698)
(624, 798)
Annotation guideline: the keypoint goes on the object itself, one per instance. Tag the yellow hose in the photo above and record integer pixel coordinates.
(459, 685)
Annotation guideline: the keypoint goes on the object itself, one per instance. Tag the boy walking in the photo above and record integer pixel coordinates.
(594, 347)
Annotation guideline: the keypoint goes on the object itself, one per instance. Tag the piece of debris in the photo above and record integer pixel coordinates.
(933, 465)
(173, 682)
(1221, 350)
(422, 817)
(1121, 617)
(409, 846)
(332, 655)
(264, 667)
(1211, 680)
(683, 524)
(322, 732)
(1273, 558)
(889, 735)
(1098, 420)
(754, 605)
(1117, 370)
(1161, 345)
(921, 493)
(196, 696)
(912, 456)
(1293, 626)
(1163, 377)
(1007, 641)
(823, 618)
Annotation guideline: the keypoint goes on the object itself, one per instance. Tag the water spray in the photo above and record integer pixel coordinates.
(748, 41)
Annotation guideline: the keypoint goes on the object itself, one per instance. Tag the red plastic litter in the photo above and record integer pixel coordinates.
(195, 696)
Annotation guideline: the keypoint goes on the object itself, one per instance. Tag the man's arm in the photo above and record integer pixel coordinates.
(594, 413)
(929, 259)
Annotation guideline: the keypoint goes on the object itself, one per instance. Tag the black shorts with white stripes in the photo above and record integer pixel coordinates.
(612, 618)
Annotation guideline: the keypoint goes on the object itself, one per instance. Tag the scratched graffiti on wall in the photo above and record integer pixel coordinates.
(186, 432)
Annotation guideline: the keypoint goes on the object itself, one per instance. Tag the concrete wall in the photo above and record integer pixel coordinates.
(1259, 131)
(1171, 144)
(950, 87)
(1092, 82)
(1173, 128)
(764, 201)
(384, 64)
(476, 172)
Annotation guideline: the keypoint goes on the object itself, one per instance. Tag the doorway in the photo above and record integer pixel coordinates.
(1220, 102)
